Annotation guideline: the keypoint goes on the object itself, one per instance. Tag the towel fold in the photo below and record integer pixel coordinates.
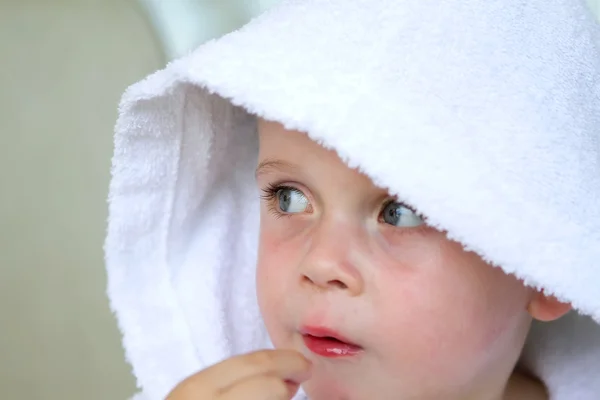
(484, 114)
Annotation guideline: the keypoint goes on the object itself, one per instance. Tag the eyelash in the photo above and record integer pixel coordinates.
(269, 194)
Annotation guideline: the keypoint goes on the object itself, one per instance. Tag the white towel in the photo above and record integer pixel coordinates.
(493, 105)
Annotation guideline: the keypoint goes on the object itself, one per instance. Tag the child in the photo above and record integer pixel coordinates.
(337, 253)
(430, 189)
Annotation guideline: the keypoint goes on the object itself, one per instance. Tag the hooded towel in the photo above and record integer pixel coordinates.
(493, 107)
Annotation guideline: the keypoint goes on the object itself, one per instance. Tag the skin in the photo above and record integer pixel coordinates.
(434, 321)
(262, 375)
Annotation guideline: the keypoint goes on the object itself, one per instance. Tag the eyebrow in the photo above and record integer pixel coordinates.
(270, 165)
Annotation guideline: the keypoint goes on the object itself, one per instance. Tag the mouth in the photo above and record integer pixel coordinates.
(327, 343)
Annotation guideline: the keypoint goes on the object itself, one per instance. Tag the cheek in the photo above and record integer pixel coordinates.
(269, 274)
(276, 251)
(448, 309)
(281, 245)
(275, 275)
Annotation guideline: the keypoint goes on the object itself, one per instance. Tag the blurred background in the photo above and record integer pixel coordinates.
(65, 64)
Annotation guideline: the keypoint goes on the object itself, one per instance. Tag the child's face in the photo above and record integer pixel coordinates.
(432, 321)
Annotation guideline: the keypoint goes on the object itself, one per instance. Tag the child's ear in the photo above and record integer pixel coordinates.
(546, 308)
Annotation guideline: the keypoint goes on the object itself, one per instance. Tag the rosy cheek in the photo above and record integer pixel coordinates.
(275, 266)
(266, 286)
(276, 252)
(268, 270)
(424, 338)
(446, 309)
(281, 244)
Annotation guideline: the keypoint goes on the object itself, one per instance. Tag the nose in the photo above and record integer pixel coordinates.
(332, 262)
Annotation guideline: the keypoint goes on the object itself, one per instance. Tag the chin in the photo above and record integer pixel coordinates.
(321, 392)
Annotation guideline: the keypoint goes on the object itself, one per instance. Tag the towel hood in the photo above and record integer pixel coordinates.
(493, 106)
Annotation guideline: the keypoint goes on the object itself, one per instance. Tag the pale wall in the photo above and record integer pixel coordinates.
(64, 67)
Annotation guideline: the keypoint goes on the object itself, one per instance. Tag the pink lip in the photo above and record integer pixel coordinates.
(328, 343)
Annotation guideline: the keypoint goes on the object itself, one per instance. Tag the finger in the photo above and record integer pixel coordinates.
(192, 388)
(284, 364)
(260, 387)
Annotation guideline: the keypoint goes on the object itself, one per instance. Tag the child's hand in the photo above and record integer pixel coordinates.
(263, 375)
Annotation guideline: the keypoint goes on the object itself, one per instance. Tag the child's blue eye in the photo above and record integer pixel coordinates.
(291, 200)
(399, 215)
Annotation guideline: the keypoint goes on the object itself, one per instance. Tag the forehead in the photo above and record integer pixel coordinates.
(274, 137)
(280, 147)
(294, 152)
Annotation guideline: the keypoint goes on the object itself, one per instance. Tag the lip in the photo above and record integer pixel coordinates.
(328, 343)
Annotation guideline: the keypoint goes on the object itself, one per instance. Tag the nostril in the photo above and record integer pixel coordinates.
(324, 284)
(339, 284)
